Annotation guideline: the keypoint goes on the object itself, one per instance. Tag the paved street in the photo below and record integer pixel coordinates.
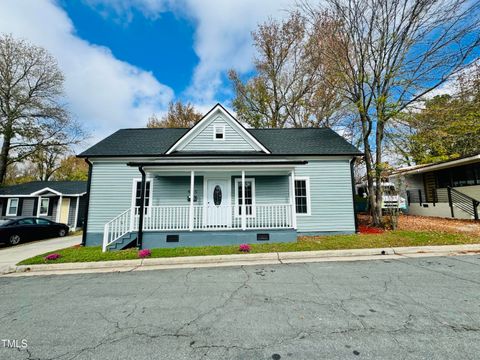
(11, 255)
(424, 308)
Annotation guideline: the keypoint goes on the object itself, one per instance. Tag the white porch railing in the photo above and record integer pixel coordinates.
(205, 218)
(117, 227)
(224, 217)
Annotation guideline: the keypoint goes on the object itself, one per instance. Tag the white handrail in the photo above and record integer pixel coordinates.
(116, 228)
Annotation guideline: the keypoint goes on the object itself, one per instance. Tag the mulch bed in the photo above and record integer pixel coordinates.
(426, 223)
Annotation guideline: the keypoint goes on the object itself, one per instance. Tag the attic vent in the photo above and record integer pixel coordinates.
(218, 132)
(173, 238)
(263, 237)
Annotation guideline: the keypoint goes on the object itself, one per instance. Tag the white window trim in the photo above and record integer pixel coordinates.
(40, 207)
(134, 193)
(307, 185)
(237, 203)
(215, 127)
(9, 204)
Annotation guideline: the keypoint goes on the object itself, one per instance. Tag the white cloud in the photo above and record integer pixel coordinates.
(222, 34)
(103, 92)
(223, 38)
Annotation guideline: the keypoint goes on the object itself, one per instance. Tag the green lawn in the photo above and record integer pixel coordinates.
(387, 239)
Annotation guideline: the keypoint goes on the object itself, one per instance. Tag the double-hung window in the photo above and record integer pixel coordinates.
(44, 203)
(12, 207)
(138, 195)
(249, 197)
(302, 196)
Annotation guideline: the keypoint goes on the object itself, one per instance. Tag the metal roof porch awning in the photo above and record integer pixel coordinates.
(217, 163)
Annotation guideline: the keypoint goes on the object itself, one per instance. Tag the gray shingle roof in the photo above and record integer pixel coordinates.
(63, 187)
(289, 141)
(304, 141)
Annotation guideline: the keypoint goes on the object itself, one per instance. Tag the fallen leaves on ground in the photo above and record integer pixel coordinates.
(430, 223)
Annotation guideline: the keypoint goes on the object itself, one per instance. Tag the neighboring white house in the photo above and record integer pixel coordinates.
(218, 183)
(442, 189)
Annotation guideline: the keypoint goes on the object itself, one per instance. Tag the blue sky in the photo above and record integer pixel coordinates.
(125, 60)
(163, 45)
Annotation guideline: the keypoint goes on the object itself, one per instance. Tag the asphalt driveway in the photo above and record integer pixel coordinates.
(420, 308)
(11, 255)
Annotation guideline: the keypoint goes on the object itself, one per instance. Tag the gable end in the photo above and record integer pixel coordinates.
(218, 130)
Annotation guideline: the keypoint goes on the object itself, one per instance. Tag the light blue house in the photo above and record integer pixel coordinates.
(217, 183)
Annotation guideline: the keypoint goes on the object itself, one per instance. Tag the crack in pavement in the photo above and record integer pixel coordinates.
(402, 311)
(218, 307)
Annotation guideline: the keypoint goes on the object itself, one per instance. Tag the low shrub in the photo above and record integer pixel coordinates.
(244, 248)
(144, 253)
(52, 257)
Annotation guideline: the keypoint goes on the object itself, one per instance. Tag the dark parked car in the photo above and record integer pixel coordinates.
(13, 232)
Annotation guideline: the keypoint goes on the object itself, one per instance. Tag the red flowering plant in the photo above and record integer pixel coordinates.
(144, 253)
(52, 257)
(244, 248)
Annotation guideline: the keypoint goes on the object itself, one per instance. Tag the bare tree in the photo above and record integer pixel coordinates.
(390, 55)
(32, 114)
(179, 115)
(290, 85)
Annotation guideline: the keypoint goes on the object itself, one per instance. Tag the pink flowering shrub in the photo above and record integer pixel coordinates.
(244, 248)
(144, 253)
(52, 257)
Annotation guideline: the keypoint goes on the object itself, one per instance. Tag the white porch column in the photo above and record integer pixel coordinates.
(244, 218)
(59, 207)
(292, 199)
(192, 196)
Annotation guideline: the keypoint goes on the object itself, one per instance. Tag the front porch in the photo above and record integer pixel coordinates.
(238, 204)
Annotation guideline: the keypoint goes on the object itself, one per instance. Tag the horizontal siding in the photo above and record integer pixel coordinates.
(204, 139)
(268, 189)
(110, 193)
(330, 196)
(28, 210)
(173, 190)
(27, 207)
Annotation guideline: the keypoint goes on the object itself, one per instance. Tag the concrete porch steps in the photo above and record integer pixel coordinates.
(126, 241)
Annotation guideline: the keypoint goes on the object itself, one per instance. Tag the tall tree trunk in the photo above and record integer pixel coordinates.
(7, 139)
(366, 128)
(379, 168)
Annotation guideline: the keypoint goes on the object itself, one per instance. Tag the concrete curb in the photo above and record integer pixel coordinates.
(244, 259)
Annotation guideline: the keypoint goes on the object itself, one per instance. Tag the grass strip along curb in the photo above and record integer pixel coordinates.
(388, 239)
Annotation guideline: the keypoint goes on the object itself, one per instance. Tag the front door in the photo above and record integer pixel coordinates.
(64, 210)
(218, 212)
